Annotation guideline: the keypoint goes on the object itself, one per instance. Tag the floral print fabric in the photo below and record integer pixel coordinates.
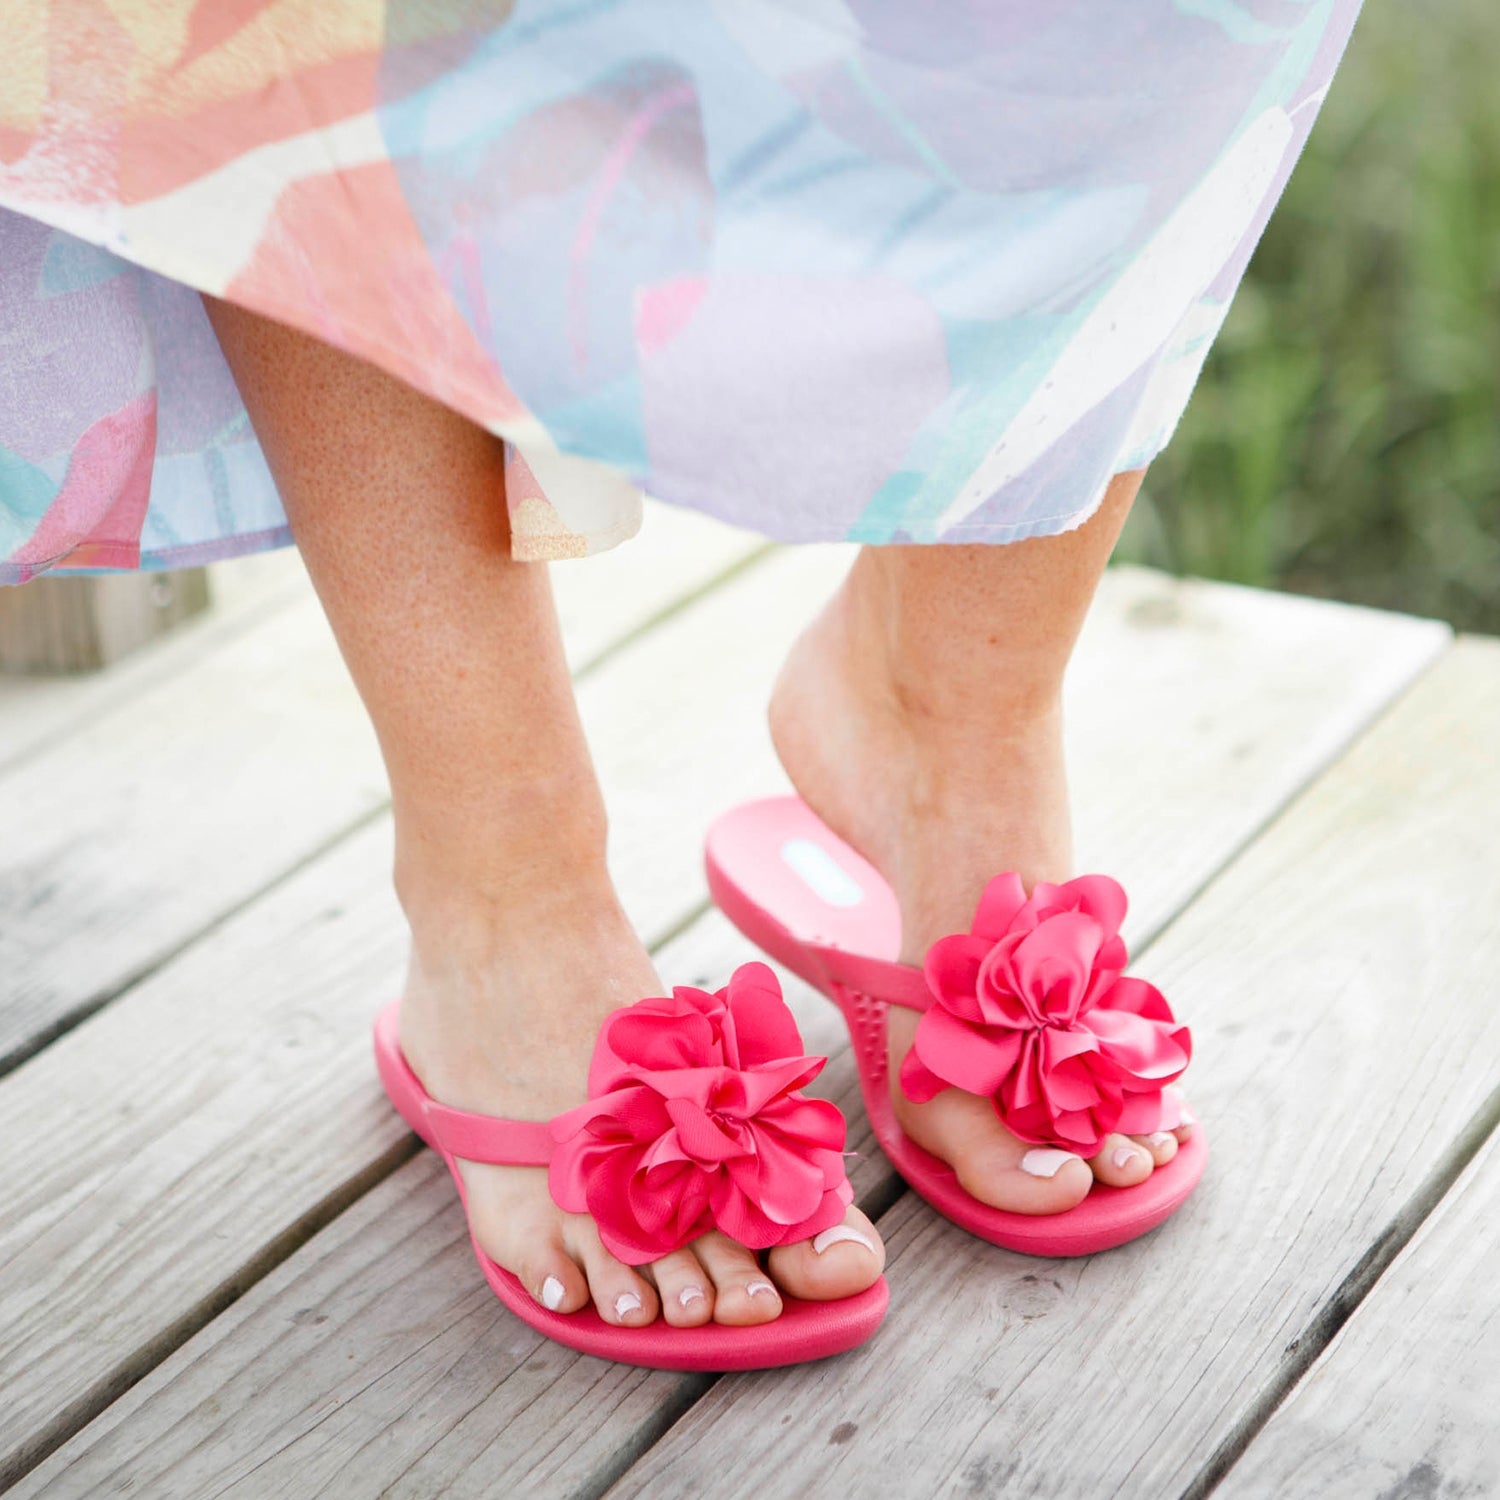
(830, 269)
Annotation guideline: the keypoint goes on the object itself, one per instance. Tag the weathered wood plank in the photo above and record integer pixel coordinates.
(35, 711)
(116, 837)
(682, 758)
(1338, 977)
(408, 1382)
(73, 624)
(373, 1361)
(1406, 1400)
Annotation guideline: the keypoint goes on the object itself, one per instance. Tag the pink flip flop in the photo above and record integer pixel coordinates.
(1030, 1008)
(695, 1120)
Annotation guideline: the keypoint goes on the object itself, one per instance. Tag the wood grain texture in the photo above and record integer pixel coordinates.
(1195, 709)
(375, 1362)
(116, 836)
(670, 758)
(353, 1372)
(80, 624)
(151, 822)
(36, 711)
(1338, 979)
(1406, 1400)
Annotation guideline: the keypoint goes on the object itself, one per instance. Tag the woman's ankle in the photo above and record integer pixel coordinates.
(934, 671)
(502, 1004)
(939, 802)
(479, 872)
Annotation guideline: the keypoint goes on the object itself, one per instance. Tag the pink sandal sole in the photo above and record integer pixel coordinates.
(793, 887)
(804, 1331)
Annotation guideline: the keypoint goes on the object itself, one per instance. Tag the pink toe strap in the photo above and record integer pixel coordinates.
(489, 1138)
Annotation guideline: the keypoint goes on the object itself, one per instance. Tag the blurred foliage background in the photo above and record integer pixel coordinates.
(1344, 438)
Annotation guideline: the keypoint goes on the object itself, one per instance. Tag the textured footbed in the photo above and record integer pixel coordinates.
(804, 1331)
(788, 882)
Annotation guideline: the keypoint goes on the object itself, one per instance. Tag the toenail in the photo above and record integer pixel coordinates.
(627, 1302)
(1124, 1156)
(1160, 1139)
(552, 1294)
(689, 1295)
(755, 1288)
(837, 1235)
(1045, 1163)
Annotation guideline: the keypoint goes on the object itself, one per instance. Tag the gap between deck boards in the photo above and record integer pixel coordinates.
(1302, 1353)
(1362, 1279)
(1325, 751)
(1392, 795)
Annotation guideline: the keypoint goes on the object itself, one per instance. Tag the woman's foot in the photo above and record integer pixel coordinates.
(520, 948)
(940, 792)
(501, 1017)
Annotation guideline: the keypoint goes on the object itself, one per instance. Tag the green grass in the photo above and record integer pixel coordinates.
(1345, 437)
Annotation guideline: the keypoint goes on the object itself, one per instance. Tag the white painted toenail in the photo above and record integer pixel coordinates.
(1187, 1117)
(1124, 1156)
(627, 1302)
(1046, 1163)
(552, 1294)
(755, 1288)
(1160, 1139)
(689, 1295)
(837, 1235)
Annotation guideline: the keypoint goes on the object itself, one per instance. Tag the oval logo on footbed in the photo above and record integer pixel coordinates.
(819, 870)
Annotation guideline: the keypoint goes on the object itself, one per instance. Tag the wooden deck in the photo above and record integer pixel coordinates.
(227, 1270)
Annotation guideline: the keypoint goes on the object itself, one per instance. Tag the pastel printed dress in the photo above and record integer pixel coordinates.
(858, 269)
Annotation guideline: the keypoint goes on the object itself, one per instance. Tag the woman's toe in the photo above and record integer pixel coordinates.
(551, 1276)
(621, 1295)
(1024, 1179)
(743, 1292)
(1162, 1144)
(685, 1288)
(515, 1223)
(839, 1262)
(1122, 1162)
(991, 1163)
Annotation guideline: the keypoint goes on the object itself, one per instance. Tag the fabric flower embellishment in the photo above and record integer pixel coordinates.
(1032, 1009)
(695, 1122)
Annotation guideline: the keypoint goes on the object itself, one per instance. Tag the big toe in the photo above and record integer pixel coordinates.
(515, 1224)
(991, 1163)
(840, 1262)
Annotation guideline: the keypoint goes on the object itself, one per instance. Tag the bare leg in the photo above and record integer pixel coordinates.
(519, 944)
(920, 717)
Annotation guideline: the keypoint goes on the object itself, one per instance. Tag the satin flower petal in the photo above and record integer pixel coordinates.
(1031, 1008)
(695, 1121)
